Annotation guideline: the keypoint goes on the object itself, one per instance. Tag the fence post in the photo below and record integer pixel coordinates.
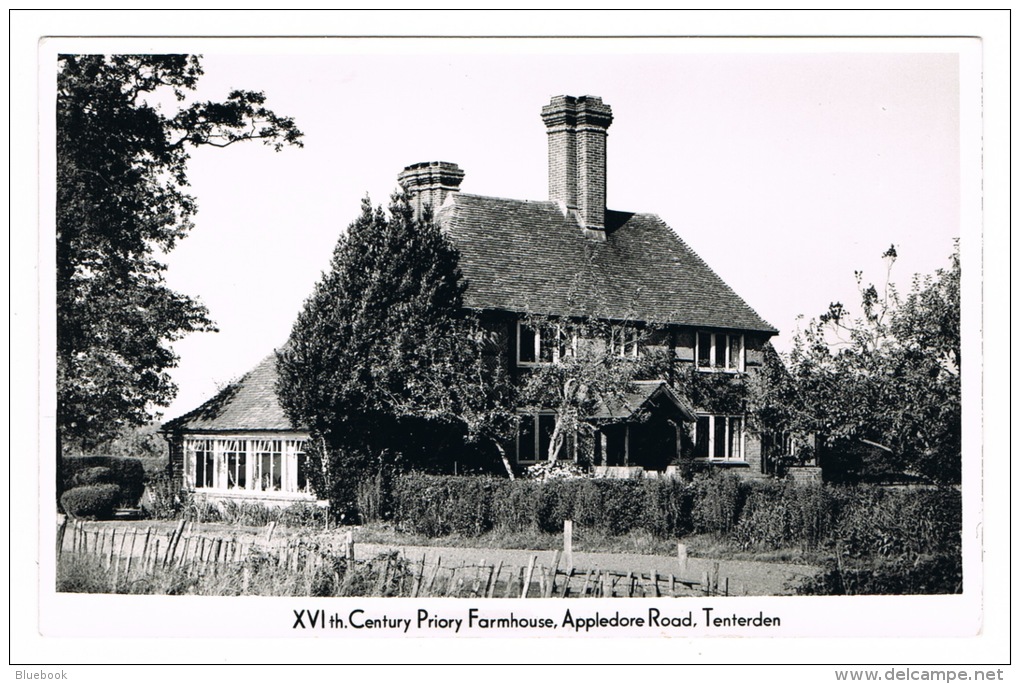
(60, 537)
(527, 576)
(349, 545)
(681, 557)
(568, 544)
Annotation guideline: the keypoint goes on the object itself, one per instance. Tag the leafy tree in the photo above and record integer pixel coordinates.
(121, 202)
(886, 385)
(594, 368)
(383, 367)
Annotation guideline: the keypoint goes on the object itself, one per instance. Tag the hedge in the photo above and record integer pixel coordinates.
(91, 501)
(127, 473)
(755, 514)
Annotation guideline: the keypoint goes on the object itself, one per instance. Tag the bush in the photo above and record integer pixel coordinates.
(938, 574)
(91, 501)
(93, 476)
(127, 473)
(718, 503)
(163, 498)
(303, 515)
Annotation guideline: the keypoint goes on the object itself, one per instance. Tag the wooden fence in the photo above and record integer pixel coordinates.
(131, 553)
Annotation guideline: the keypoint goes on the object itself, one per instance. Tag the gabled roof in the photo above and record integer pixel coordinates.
(250, 404)
(529, 257)
(644, 395)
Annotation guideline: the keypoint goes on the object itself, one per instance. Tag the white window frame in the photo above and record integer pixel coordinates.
(727, 457)
(713, 366)
(556, 329)
(631, 336)
(221, 447)
(540, 456)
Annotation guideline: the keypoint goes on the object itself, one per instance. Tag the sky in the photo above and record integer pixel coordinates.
(786, 169)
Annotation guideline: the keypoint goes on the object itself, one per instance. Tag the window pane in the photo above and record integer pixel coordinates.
(546, 425)
(526, 439)
(704, 350)
(302, 466)
(277, 472)
(736, 428)
(701, 438)
(721, 350)
(564, 342)
(736, 347)
(526, 345)
(719, 446)
(200, 468)
(547, 343)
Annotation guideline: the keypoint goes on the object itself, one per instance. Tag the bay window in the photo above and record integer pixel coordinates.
(246, 465)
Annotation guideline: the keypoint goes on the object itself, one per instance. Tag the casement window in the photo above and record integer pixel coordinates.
(624, 341)
(720, 352)
(543, 344)
(254, 465)
(719, 438)
(534, 434)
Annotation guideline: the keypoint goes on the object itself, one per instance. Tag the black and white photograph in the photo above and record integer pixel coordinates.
(445, 337)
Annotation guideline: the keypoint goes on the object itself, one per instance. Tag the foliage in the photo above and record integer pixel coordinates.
(93, 476)
(555, 470)
(91, 501)
(127, 474)
(592, 374)
(941, 573)
(164, 499)
(882, 388)
(121, 201)
(862, 526)
(382, 365)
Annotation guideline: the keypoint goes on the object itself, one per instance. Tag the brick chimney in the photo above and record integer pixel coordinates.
(427, 184)
(577, 128)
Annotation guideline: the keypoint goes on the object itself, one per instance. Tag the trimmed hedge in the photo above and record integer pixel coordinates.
(754, 514)
(91, 501)
(127, 473)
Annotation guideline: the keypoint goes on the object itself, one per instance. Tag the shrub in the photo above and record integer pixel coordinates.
(718, 502)
(515, 506)
(91, 501)
(163, 498)
(669, 506)
(303, 515)
(93, 476)
(623, 505)
(938, 574)
(127, 473)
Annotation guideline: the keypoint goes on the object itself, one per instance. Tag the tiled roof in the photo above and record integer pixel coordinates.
(640, 396)
(529, 257)
(248, 404)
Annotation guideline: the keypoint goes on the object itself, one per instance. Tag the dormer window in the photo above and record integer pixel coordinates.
(543, 344)
(722, 352)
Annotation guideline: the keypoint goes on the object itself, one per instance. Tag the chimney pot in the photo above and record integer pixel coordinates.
(428, 184)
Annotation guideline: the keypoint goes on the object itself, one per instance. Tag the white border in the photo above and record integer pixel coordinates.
(28, 646)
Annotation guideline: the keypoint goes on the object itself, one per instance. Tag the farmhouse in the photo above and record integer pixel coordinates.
(562, 258)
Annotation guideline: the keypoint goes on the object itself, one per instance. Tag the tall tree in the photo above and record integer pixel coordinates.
(121, 203)
(888, 379)
(382, 365)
